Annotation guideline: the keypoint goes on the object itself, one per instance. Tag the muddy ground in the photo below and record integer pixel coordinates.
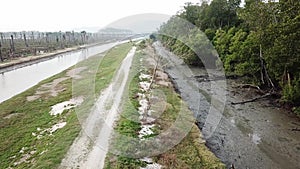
(252, 135)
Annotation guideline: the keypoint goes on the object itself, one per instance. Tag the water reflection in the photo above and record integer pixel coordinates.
(19, 80)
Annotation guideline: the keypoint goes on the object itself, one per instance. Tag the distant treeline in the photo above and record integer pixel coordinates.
(259, 40)
(22, 44)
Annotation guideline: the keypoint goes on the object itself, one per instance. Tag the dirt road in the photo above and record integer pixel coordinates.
(90, 148)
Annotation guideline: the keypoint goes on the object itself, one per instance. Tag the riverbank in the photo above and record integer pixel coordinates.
(252, 135)
(19, 62)
(156, 129)
(38, 126)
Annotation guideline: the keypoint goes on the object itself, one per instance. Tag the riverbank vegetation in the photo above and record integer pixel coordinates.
(15, 45)
(258, 41)
(189, 153)
(30, 137)
(22, 44)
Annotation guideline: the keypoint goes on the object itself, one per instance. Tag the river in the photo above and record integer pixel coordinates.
(21, 78)
(255, 135)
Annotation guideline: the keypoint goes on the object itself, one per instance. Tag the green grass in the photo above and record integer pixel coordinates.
(189, 153)
(16, 132)
(296, 110)
(128, 123)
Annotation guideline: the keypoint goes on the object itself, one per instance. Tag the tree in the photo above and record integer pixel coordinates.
(25, 40)
(83, 36)
(286, 33)
(12, 44)
(222, 41)
(1, 58)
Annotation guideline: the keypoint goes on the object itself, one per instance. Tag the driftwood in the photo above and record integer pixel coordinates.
(252, 100)
(247, 86)
(295, 129)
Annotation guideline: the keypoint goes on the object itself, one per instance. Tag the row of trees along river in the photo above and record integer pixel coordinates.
(258, 41)
(22, 44)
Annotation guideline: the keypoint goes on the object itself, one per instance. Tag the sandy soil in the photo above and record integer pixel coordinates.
(53, 88)
(90, 147)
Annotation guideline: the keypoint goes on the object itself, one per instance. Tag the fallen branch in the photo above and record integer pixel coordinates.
(295, 129)
(248, 86)
(252, 100)
(157, 60)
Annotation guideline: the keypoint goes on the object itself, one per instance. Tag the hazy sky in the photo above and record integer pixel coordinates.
(55, 15)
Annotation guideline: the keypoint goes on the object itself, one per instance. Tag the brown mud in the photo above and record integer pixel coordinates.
(256, 135)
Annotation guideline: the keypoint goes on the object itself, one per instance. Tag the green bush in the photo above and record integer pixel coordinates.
(291, 92)
(210, 33)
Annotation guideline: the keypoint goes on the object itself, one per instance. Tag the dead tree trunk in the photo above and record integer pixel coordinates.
(39, 38)
(1, 34)
(1, 58)
(25, 40)
(34, 50)
(261, 66)
(12, 44)
(63, 41)
(263, 71)
(47, 38)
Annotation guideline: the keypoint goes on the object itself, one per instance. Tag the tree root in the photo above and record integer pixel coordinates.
(295, 129)
(253, 100)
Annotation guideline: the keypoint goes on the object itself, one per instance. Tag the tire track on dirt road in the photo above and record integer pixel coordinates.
(90, 147)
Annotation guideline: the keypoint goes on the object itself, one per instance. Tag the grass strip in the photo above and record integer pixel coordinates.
(189, 153)
(19, 118)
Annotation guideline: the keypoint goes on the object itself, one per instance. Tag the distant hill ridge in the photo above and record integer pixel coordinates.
(115, 30)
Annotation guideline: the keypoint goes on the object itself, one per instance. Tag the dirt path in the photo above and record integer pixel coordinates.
(90, 148)
(255, 135)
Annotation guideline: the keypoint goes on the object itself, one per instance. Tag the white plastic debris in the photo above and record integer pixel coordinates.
(60, 107)
(57, 126)
(144, 76)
